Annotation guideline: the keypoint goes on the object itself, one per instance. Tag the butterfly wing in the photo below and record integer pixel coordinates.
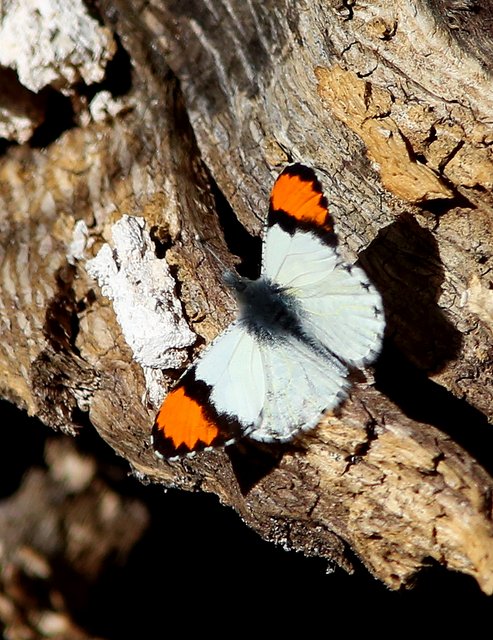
(300, 384)
(339, 306)
(242, 386)
(214, 399)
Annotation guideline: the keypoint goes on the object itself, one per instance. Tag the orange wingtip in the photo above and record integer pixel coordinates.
(298, 193)
(182, 426)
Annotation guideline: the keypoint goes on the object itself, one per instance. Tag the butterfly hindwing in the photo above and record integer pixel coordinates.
(300, 384)
(271, 384)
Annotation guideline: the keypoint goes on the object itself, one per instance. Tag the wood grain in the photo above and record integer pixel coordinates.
(391, 103)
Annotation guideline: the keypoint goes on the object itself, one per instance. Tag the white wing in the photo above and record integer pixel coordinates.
(273, 388)
(340, 307)
(300, 384)
(233, 368)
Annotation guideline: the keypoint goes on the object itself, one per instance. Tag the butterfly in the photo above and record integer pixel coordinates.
(302, 326)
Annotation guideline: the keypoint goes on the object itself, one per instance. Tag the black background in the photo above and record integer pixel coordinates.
(198, 567)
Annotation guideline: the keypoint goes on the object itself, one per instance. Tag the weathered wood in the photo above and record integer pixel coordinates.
(392, 105)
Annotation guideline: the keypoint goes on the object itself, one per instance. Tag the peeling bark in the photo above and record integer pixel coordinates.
(391, 103)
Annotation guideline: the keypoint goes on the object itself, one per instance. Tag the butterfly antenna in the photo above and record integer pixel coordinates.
(207, 245)
(229, 276)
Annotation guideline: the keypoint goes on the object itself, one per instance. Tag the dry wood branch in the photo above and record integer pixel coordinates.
(394, 109)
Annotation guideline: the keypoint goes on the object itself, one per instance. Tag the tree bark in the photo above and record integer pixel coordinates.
(391, 103)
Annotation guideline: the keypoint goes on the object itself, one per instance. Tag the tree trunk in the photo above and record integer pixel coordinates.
(201, 106)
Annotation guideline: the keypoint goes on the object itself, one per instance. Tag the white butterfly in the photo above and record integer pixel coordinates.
(302, 325)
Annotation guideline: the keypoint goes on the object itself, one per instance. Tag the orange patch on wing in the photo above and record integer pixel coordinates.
(183, 420)
(300, 199)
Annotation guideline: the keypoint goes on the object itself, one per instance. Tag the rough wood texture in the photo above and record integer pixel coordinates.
(392, 103)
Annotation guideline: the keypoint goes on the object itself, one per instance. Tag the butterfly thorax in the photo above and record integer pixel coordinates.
(265, 308)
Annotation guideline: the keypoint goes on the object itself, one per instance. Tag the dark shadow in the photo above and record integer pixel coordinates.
(198, 556)
(117, 78)
(240, 243)
(19, 101)
(252, 461)
(426, 401)
(59, 112)
(59, 117)
(404, 264)
(21, 446)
